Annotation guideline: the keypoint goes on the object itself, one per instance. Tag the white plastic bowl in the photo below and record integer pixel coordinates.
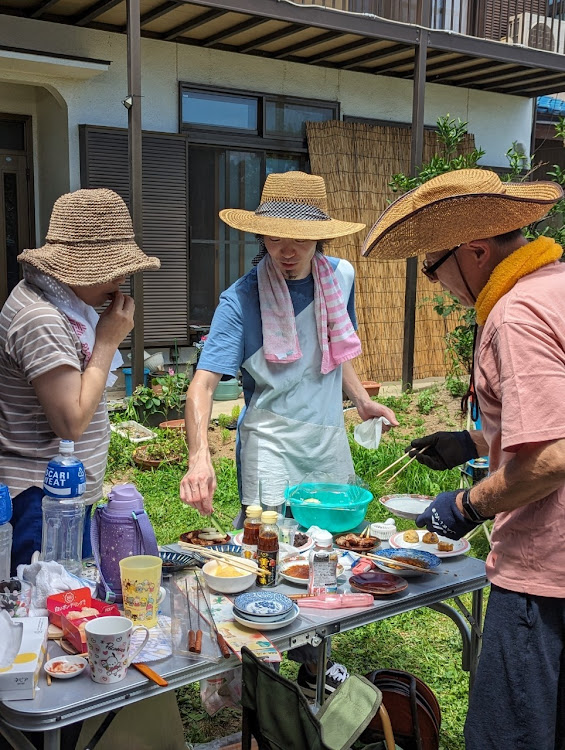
(228, 585)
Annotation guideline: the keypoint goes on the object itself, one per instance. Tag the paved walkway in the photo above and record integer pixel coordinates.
(387, 389)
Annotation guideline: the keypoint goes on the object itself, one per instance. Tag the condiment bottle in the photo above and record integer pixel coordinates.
(323, 565)
(268, 549)
(251, 527)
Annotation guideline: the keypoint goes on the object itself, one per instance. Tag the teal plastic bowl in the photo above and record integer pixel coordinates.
(341, 507)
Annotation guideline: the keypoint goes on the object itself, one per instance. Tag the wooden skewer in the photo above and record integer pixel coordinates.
(389, 480)
(391, 561)
(221, 557)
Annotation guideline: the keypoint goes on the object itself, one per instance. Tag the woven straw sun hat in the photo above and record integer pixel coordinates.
(293, 205)
(90, 241)
(454, 208)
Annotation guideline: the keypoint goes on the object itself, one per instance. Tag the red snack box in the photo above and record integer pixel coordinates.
(61, 605)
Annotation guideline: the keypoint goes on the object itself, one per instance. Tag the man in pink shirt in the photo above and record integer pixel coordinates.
(517, 288)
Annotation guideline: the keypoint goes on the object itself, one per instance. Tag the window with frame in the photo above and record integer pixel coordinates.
(236, 138)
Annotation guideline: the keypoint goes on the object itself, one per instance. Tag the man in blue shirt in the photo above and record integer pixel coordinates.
(288, 325)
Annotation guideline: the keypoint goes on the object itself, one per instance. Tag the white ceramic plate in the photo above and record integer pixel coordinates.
(238, 539)
(460, 546)
(261, 627)
(406, 506)
(76, 663)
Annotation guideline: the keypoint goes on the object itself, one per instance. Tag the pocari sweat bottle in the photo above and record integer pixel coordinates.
(63, 510)
(5, 532)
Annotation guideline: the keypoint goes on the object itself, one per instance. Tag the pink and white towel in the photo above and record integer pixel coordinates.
(336, 335)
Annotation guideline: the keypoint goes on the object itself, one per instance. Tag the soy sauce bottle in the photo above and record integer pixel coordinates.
(268, 549)
(251, 528)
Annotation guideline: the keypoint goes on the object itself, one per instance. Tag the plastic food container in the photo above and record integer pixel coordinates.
(335, 507)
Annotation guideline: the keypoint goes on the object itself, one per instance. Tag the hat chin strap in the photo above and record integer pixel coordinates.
(464, 280)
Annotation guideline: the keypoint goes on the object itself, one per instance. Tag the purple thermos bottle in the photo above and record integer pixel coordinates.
(119, 529)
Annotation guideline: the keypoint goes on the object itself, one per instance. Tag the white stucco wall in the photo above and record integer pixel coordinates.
(496, 120)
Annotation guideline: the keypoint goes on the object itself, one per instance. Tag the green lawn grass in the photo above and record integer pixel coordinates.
(423, 642)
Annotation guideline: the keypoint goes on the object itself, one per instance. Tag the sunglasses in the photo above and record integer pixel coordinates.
(429, 269)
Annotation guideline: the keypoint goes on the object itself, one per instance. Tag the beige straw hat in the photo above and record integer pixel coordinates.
(90, 241)
(293, 205)
(454, 208)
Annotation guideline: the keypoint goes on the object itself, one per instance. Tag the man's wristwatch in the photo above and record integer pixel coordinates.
(471, 511)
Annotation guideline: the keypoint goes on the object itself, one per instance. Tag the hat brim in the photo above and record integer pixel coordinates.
(297, 229)
(75, 266)
(455, 220)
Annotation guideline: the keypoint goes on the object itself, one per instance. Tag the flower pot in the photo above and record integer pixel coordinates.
(157, 389)
(140, 459)
(371, 386)
(173, 424)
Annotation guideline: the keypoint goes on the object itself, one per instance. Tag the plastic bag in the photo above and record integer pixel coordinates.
(221, 691)
(368, 434)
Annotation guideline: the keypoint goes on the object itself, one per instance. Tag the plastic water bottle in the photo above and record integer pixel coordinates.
(5, 532)
(63, 510)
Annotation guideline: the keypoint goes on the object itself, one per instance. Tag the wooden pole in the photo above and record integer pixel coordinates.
(416, 155)
(133, 102)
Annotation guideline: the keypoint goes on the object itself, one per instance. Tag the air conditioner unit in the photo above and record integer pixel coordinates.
(537, 31)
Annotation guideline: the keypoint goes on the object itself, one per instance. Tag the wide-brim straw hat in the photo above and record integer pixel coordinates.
(454, 208)
(293, 205)
(90, 241)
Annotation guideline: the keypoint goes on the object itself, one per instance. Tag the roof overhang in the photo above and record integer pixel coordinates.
(316, 35)
(16, 60)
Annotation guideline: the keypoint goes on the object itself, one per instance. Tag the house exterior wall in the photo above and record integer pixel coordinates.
(495, 119)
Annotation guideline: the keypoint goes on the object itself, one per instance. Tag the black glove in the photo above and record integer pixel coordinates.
(444, 450)
(442, 516)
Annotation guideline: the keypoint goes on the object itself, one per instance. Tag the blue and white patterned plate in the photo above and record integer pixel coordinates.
(263, 603)
(231, 549)
(409, 556)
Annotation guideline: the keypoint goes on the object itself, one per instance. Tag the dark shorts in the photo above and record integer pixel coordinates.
(27, 523)
(518, 698)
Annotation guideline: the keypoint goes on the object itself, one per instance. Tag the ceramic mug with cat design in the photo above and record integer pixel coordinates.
(109, 640)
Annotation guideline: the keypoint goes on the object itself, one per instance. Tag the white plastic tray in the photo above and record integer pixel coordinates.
(123, 428)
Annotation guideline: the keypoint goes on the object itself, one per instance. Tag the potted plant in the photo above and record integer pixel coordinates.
(169, 448)
(149, 407)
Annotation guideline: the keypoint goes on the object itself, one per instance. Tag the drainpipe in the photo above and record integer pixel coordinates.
(416, 156)
(133, 104)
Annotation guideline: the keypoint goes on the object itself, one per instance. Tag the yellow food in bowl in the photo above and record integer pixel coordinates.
(224, 570)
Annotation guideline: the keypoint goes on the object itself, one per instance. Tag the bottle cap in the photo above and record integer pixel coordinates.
(323, 538)
(5, 504)
(253, 511)
(269, 516)
(124, 498)
(66, 446)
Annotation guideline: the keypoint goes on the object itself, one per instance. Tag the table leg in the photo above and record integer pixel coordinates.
(321, 676)
(52, 740)
(476, 634)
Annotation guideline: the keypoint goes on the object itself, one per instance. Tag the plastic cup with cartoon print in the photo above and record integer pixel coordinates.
(141, 588)
(108, 640)
(272, 495)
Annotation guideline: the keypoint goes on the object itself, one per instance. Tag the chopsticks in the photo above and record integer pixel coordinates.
(398, 460)
(398, 563)
(223, 557)
(194, 637)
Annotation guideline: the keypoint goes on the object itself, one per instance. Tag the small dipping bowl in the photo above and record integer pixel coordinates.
(64, 667)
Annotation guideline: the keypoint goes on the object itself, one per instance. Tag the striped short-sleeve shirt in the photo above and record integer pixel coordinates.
(35, 338)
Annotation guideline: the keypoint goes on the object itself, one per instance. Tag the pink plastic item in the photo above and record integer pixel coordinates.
(336, 601)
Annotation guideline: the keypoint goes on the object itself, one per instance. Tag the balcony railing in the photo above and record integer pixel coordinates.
(532, 23)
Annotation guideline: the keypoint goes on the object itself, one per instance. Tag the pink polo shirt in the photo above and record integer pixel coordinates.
(520, 383)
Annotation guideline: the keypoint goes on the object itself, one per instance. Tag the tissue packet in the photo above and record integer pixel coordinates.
(19, 681)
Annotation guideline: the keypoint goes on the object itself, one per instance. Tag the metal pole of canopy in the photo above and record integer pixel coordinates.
(133, 103)
(416, 156)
